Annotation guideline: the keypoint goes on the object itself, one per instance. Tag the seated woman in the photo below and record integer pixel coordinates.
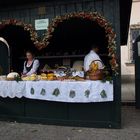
(31, 65)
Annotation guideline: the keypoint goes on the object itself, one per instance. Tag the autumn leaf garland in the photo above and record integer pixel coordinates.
(93, 16)
(96, 17)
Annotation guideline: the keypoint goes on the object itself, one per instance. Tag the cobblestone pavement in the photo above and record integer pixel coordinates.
(19, 131)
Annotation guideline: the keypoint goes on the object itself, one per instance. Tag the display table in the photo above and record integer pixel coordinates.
(61, 91)
(85, 103)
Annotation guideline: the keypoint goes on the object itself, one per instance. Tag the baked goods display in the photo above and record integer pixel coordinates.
(12, 76)
(3, 78)
(42, 76)
(51, 76)
(61, 74)
(32, 77)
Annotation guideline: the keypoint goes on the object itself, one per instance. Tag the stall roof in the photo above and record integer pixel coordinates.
(125, 10)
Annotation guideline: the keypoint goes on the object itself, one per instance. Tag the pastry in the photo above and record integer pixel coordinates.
(12, 75)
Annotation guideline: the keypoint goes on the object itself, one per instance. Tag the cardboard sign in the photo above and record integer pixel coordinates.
(41, 24)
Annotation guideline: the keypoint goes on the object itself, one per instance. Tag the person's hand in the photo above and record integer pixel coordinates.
(23, 75)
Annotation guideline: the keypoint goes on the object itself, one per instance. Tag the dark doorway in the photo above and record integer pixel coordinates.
(137, 71)
(19, 41)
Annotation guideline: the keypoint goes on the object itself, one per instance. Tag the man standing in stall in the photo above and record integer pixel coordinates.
(91, 57)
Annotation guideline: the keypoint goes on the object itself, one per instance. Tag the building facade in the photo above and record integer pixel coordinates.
(127, 51)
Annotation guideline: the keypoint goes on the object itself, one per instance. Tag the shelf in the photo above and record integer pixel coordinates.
(62, 56)
(54, 57)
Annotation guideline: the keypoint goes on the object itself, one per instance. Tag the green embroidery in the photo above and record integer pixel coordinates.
(56, 92)
(87, 93)
(43, 92)
(72, 94)
(32, 91)
(103, 94)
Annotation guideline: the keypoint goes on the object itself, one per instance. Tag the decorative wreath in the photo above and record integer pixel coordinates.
(93, 16)
(26, 27)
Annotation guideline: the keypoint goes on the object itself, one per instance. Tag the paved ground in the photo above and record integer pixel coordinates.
(128, 88)
(130, 125)
(18, 131)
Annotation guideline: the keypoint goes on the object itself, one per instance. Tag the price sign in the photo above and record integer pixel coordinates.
(41, 24)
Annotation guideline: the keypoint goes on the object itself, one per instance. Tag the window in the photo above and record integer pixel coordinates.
(134, 33)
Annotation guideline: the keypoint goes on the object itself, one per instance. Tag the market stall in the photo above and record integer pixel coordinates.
(62, 92)
(63, 79)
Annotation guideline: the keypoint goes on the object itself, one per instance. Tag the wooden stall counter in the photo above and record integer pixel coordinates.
(74, 103)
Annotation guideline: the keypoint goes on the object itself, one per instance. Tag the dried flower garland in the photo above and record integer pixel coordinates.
(93, 16)
(26, 27)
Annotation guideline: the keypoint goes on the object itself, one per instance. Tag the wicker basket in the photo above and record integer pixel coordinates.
(98, 75)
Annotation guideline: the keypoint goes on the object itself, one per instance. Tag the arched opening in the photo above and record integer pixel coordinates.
(19, 41)
(75, 37)
(4, 57)
(137, 70)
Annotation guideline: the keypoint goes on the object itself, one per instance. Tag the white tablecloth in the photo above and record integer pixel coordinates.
(61, 91)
